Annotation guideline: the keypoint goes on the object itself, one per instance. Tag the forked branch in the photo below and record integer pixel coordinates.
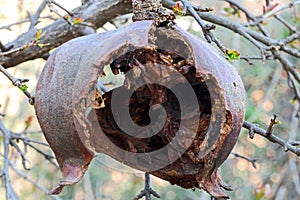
(292, 146)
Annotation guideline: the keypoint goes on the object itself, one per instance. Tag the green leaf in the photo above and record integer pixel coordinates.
(277, 121)
(179, 12)
(77, 20)
(260, 195)
(232, 55)
(24, 88)
(285, 33)
(239, 14)
(293, 101)
(40, 45)
(229, 10)
(38, 34)
(178, 9)
(28, 122)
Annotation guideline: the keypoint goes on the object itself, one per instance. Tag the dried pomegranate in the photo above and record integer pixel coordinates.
(175, 86)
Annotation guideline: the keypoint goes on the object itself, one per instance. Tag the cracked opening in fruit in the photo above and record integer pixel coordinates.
(150, 101)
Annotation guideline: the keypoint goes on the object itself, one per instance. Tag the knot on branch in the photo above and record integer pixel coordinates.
(152, 10)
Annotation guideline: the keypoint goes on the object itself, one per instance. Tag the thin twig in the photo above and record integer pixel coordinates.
(34, 18)
(22, 154)
(16, 136)
(287, 65)
(38, 186)
(248, 14)
(18, 83)
(27, 178)
(247, 33)
(89, 27)
(29, 132)
(22, 48)
(205, 9)
(50, 4)
(147, 191)
(286, 24)
(250, 58)
(261, 41)
(295, 143)
(251, 160)
(6, 152)
(294, 87)
(292, 51)
(8, 27)
(48, 157)
(60, 6)
(291, 38)
(10, 194)
(28, 142)
(273, 138)
(7, 53)
(279, 9)
(206, 28)
(264, 43)
(273, 12)
(292, 161)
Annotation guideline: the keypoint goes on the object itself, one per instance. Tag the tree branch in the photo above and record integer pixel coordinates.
(288, 146)
(10, 194)
(8, 26)
(248, 14)
(206, 28)
(18, 83)
(28, 179)
(34, 18)
(10, 138)
(263, 42)
(98, 12)
(251, 160)
(95, 14)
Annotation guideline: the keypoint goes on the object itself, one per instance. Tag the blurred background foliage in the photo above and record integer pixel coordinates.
(267, 93)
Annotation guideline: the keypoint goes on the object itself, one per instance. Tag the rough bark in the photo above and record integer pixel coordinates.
(96, 13)
(145, 9)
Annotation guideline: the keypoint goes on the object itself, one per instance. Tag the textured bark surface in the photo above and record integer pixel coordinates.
(152, 10)
(67, 106)
(97, 13)
(145, 9)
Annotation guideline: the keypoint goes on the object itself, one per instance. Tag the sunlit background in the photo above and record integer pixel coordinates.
(267, 94)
